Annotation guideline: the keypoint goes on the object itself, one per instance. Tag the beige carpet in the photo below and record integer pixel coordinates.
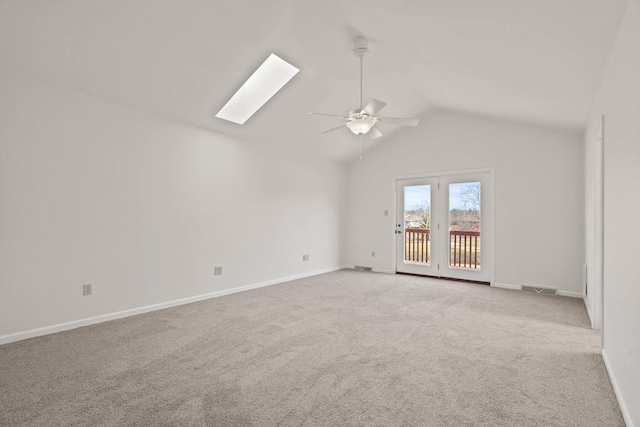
(341, 349)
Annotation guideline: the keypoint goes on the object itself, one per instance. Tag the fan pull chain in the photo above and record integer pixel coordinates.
(360, 147)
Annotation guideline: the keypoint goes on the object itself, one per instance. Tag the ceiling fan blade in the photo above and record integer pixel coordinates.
(374, 133)
(374, 106)
(330, 115)
(398, 121)
(333, 128)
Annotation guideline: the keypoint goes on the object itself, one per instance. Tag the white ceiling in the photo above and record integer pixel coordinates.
(537, 61)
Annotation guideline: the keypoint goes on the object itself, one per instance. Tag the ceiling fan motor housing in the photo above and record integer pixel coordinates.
(359, 114)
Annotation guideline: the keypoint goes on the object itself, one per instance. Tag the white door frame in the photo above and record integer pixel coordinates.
(597, 284)
(491, 235)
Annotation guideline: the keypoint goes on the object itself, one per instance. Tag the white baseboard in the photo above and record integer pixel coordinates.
(570, 294)
(32, 333)
(586, 306)
(614, 382)
(519, 288)
(506, 286)
(373, 269)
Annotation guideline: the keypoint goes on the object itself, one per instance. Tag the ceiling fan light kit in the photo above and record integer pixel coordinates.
(361, 121)
(360, 127)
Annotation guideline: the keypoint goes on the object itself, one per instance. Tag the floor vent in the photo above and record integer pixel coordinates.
(362, 268)
(540, 290)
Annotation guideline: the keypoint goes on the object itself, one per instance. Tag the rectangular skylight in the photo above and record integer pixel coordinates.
(265, 82)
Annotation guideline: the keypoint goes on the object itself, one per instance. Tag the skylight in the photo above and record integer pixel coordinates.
(265, 82)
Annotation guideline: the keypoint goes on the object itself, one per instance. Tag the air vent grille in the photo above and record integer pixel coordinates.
(538, 290)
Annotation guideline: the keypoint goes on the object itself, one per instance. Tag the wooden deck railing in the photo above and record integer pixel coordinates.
(417, 245)
(464, 247)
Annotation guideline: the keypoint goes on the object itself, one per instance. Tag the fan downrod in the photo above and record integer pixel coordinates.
(360, 49)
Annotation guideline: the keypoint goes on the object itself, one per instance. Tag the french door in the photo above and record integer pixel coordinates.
(443, 226)
(417, 214)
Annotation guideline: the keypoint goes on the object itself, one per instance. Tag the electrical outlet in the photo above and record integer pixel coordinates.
(386, 213)
(217, 271)
(373, 254)
(305, 257)
(86, 289)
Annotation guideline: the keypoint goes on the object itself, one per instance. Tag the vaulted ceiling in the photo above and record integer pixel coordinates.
(538, 61)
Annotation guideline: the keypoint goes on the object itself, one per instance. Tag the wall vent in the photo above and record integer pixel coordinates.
(361, 268)
(538, 290)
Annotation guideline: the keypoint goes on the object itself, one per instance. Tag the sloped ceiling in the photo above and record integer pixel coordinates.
(537, 61)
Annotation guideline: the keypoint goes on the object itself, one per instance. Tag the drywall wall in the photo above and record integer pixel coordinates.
(538, 194)
(593, 233)
(618, 100)
(143, 209)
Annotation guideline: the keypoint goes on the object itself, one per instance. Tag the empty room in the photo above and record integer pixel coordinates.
(296, 213)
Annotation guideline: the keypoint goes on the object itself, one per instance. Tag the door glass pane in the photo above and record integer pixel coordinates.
(464, 225)
(417, 224)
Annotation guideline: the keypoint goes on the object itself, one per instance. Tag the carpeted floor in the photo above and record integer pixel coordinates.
(340, 349)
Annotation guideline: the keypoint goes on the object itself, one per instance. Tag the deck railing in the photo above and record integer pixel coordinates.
(417, 245)
(464, 247)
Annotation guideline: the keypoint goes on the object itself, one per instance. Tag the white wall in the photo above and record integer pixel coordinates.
(592, 134)
(538, 194)
(619, 100)
(144, 208)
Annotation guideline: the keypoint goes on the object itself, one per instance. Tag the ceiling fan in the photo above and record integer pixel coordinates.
(362, 120)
